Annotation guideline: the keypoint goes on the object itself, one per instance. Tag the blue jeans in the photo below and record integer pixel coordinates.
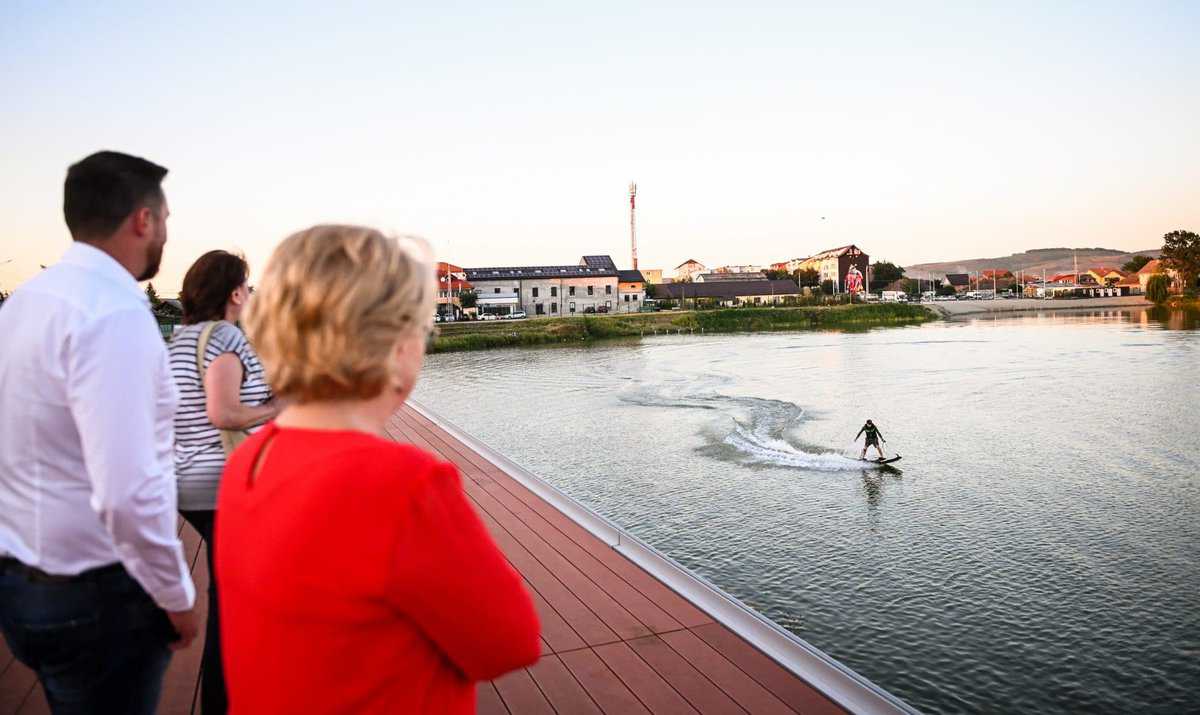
(97, 642)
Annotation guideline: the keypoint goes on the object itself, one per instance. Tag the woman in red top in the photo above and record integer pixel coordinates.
(353, 575)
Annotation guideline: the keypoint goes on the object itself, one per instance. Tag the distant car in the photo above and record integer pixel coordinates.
(437, 318)
(488, 316)
(590, 309)
(517, 315)
(602, 309)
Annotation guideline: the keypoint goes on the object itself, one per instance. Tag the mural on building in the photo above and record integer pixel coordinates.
(854, 280)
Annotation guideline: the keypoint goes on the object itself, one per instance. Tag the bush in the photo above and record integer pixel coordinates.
(1158, 288)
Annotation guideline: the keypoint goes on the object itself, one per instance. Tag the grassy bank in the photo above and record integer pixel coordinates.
(483, 335)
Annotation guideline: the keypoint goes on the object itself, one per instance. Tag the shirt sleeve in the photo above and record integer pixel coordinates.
(454, 582)
(117, 368)
(226, 338)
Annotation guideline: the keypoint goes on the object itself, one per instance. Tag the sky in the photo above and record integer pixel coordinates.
(509, 135)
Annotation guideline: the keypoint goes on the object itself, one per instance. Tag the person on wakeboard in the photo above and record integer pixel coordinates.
(873, 439)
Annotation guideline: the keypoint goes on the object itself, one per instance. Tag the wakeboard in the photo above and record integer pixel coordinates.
(889, 460)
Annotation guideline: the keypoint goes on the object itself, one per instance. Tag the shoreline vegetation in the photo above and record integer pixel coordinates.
(487, 335)
(1183, 302)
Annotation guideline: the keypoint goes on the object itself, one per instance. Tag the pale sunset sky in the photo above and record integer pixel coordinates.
(509, 135)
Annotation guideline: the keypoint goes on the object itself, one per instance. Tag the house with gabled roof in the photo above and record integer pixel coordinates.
(1104, 274)
(688, 270)
(1155, 267)
(631, 291)
(958, 281)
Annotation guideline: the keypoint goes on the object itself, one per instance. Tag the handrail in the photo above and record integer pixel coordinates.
(836, 681)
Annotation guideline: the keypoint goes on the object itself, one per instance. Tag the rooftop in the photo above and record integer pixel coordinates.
(588, 266)
(834, 252)
(727, 289)
(755, 276)
(1154, 266)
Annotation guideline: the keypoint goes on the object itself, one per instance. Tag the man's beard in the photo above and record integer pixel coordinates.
(153, 259)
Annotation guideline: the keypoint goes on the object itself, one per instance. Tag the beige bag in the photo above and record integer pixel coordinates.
(230, 439)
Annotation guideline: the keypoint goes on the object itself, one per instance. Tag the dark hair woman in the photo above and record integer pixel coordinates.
(222, 396)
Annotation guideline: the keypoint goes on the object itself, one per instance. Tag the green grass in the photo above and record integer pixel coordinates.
(484, 335)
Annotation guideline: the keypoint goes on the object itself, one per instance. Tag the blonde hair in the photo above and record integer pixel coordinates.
(331, 307)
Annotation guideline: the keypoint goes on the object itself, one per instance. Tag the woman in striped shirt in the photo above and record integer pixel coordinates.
(225, 391)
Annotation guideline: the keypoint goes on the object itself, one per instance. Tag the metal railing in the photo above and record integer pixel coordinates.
(836, 681)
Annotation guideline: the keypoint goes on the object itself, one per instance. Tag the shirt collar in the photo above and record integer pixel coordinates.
(92, 259)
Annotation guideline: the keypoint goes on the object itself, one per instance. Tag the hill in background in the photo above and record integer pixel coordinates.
(1052, 260)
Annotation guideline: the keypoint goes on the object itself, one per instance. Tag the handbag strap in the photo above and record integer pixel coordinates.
(202, 347)
(229, 438)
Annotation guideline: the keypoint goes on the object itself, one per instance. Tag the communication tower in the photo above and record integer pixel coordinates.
(633, 221)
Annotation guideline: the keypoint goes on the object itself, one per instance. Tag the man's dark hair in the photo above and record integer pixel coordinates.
(104, 188)
(209, 283)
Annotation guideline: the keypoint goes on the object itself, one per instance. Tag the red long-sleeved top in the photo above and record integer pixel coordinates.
(353, 576)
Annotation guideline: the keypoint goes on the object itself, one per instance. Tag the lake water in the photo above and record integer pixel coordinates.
(1038, 552)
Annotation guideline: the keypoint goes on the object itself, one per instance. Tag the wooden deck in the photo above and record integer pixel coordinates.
(615, 639)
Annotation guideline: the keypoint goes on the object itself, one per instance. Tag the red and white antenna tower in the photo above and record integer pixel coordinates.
(633, 221)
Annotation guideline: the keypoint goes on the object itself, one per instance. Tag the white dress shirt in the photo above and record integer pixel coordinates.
(87, 404)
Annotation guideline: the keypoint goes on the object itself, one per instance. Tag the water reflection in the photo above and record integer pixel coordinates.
(1162, 318)
(1038, 554)
(875, 484)
(1169, 319)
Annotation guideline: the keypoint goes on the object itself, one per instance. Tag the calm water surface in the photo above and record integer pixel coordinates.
(1038, 552)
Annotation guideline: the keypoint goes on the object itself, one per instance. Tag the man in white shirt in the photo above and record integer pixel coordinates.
(94, 588)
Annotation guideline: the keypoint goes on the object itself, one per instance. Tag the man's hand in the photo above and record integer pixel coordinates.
(186, 624)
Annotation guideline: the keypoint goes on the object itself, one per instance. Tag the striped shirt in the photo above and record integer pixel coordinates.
(199, 455)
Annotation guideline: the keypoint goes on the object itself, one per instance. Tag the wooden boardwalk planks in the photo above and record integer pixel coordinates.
(614, 638)
(667, 655)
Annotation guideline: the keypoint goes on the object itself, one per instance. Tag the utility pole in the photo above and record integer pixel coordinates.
(633, 221)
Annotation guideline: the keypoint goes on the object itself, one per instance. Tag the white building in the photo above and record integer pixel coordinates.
(687, 270)
(591, 286)
(740, 269)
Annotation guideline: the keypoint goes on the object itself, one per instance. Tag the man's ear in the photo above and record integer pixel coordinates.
(142, 220)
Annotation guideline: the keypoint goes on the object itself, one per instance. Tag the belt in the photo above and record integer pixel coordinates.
(36, 575)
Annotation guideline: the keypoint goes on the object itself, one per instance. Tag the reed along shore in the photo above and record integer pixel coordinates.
(485, 335)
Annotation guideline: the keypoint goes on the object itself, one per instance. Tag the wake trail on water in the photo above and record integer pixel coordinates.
(751, 430)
